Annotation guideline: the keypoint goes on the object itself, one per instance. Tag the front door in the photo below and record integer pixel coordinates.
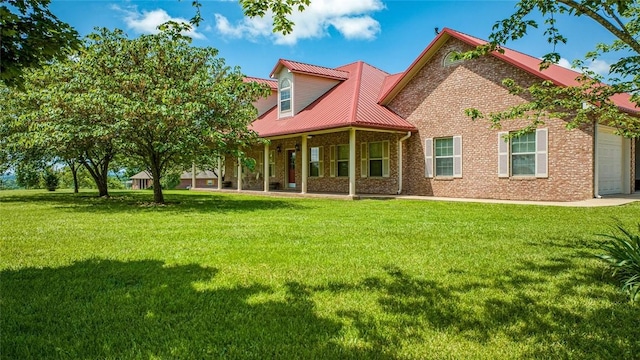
(291, 166)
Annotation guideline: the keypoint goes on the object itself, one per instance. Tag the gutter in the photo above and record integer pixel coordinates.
(596, 164)
(400, 161)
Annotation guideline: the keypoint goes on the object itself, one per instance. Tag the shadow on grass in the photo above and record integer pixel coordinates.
(144, 309)
(142, 201)
(519, 310)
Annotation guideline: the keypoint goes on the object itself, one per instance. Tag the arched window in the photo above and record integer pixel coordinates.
(450, 60)
(285, 95)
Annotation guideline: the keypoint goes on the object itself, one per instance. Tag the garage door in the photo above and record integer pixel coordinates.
(610, 163)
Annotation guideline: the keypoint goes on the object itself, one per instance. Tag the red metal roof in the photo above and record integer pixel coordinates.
(273, 84)
(557, 74)
(298, 67)
(353, 102)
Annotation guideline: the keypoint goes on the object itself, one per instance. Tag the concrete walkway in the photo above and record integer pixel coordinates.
(610, 200)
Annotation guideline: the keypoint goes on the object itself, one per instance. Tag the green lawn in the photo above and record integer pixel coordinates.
(229, 276)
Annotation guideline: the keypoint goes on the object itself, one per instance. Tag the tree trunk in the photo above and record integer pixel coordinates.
(74, 171)
(158, 197)
(99, 177)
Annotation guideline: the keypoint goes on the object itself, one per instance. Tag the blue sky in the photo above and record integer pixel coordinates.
(388, 34)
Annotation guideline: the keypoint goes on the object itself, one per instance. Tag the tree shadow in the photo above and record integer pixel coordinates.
(519, 309)
(139, 201)
(146, 309)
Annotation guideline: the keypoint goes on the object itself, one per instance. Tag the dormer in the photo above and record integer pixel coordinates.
(266, 103)
(301, 84)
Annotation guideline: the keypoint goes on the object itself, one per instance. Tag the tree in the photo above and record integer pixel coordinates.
(172, 101)
(591, 98)
(31, 35)
(53, 114)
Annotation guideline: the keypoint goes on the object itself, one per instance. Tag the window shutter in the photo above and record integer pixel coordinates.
(457, 156)
(320, 162)
(332, 161)
(385, 159)
(542, 157)
(503, 155)
(364, 165)
(428, 157)
(260, 163)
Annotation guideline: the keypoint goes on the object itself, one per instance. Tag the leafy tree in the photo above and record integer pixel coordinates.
(622, 19)
(53, 114)
(31, 35)
(171, 101)
(28, 175)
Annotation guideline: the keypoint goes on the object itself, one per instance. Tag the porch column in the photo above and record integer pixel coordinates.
(239, 175)
(219, 172)
(265, 170)
(193, 175)
(305, 163)
(352, 162)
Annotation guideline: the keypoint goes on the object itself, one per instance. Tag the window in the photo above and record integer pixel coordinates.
(449, 59)
(342, 160)
(374, 159)
(443, 157)
(285, 95)
(525, 155)
(272, 163)
(209, 182)
(339, 160)
(316, 167)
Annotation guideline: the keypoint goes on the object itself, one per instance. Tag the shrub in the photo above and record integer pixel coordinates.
(50, 179)
(623, 256)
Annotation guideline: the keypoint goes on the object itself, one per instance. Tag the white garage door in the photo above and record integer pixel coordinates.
(610, 163)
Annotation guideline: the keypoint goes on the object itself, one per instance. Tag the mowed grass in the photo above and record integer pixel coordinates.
(215, 275)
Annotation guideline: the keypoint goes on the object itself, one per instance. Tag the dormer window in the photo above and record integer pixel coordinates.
(285, 95)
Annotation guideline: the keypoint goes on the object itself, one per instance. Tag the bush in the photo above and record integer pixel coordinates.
(50, 180)
(623, 256)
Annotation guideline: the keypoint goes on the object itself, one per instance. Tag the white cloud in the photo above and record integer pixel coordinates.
(598, 66)
(147, 22)
(350, 18)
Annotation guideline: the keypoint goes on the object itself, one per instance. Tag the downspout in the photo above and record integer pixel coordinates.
(596, 173)
(400, 161)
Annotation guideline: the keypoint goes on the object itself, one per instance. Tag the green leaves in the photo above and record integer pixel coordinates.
(590, 100)
(622, 254)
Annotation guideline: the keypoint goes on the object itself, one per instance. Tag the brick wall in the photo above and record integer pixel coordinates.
(325, 183)
(435, 100)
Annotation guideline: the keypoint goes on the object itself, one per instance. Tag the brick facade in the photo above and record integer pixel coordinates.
(326, 183)
(435, 100)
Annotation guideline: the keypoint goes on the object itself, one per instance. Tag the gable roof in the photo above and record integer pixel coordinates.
(352, 102)
(557, 74)
(308, 69)
(273, 84)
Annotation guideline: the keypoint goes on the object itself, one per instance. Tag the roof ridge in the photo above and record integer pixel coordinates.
(319, 66)
(356, 93)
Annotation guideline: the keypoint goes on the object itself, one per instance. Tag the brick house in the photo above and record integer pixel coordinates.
(356, 129)
(204, 179)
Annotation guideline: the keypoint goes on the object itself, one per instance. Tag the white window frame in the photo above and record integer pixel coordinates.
(285, 84)
(272, 163)
(320, 161)
(365, 159)
(338, 160)
(541, 155)
(430, 157)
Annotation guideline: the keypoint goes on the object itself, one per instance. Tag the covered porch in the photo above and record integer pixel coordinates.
(346, 160)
